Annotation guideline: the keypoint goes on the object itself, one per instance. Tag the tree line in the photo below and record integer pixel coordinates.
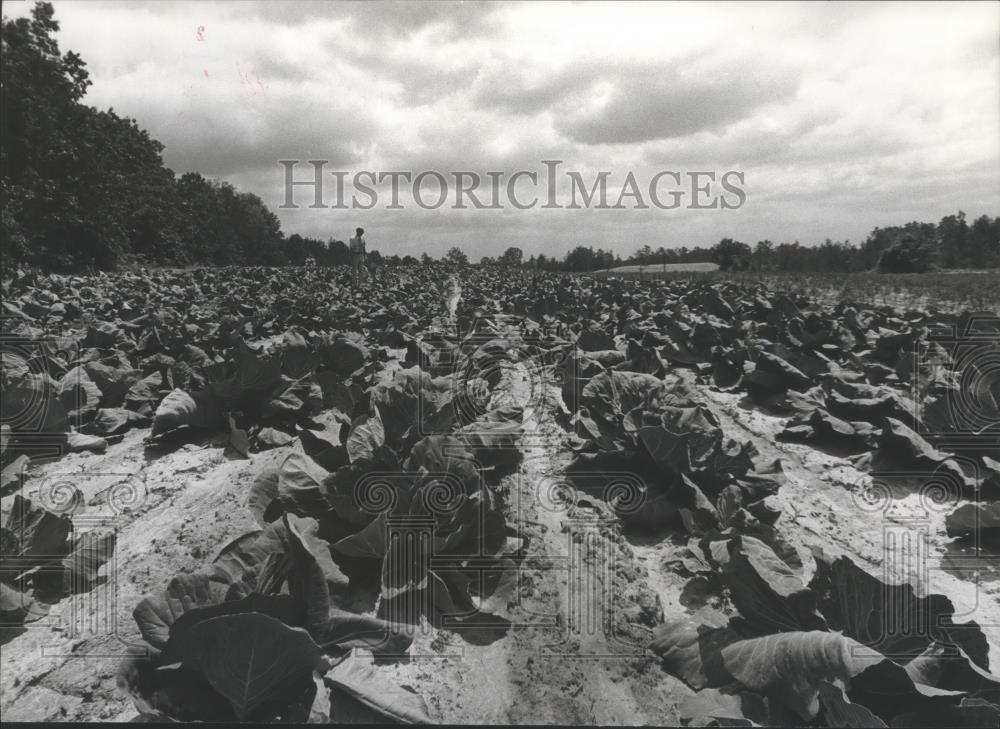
(86, 188)
(952, 243)
(914, 247)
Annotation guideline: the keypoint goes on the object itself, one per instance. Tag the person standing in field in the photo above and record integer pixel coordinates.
(357, 248)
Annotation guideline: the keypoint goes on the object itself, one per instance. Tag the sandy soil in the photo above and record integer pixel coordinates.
(586, 599)
(184, 506)
(898, 536)
(575, 654)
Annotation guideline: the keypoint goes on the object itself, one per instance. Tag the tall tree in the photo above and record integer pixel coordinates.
(85, 187)
(512, 257)
(457, 256)
(731, 255)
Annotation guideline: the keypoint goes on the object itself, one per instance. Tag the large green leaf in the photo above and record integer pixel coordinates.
(742, 709)
(91, 551)
(494, 442)
(163, 693)
(252, 659)
(114, 381)
(691, 648)
(324, 448)
(968, 714)
(40, 533)
(245, 556)
(676, 453)
(977, 521)
(32, 402)
(343, 353)
(111, 421)
(368, 543)
(446, 460)
(13, 472)
(948, 667)
(890, 618)
(367, 434)
(154, 615)
(346, 630)
(767, 592)
(314, 574)
(238, 438)
(182, 410)
(18, 607)
(355, 492)
(841, 712)
(610, 395)
(283, 608)
(297, 360)
(365, 683)
(79, 394)
(402, 400)
(791, 667)
(79, 442)
(256, 371)
(300, 485)
(263, 497)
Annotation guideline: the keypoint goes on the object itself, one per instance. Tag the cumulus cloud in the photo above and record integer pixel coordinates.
(658, 103)
(841, 116)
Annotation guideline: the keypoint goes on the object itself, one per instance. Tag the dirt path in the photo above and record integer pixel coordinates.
(454, 296)
(583, 607)
(575, 652)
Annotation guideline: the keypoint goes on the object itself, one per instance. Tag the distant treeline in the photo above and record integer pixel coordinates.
(87, 188)
(912, 248)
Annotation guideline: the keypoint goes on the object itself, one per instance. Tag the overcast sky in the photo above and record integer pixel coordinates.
(841, 116)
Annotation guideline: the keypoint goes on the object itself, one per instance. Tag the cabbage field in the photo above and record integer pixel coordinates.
(490, 495)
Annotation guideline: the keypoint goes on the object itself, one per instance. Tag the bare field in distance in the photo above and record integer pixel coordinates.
(943, 290)
(660, 269)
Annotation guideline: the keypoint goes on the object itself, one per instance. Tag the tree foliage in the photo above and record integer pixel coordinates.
(457, 256)
(512, 257)
(731, 255)
(907, 255)
(87, 188)
(951, 243)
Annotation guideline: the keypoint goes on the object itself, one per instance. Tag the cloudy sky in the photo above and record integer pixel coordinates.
(841, 116)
